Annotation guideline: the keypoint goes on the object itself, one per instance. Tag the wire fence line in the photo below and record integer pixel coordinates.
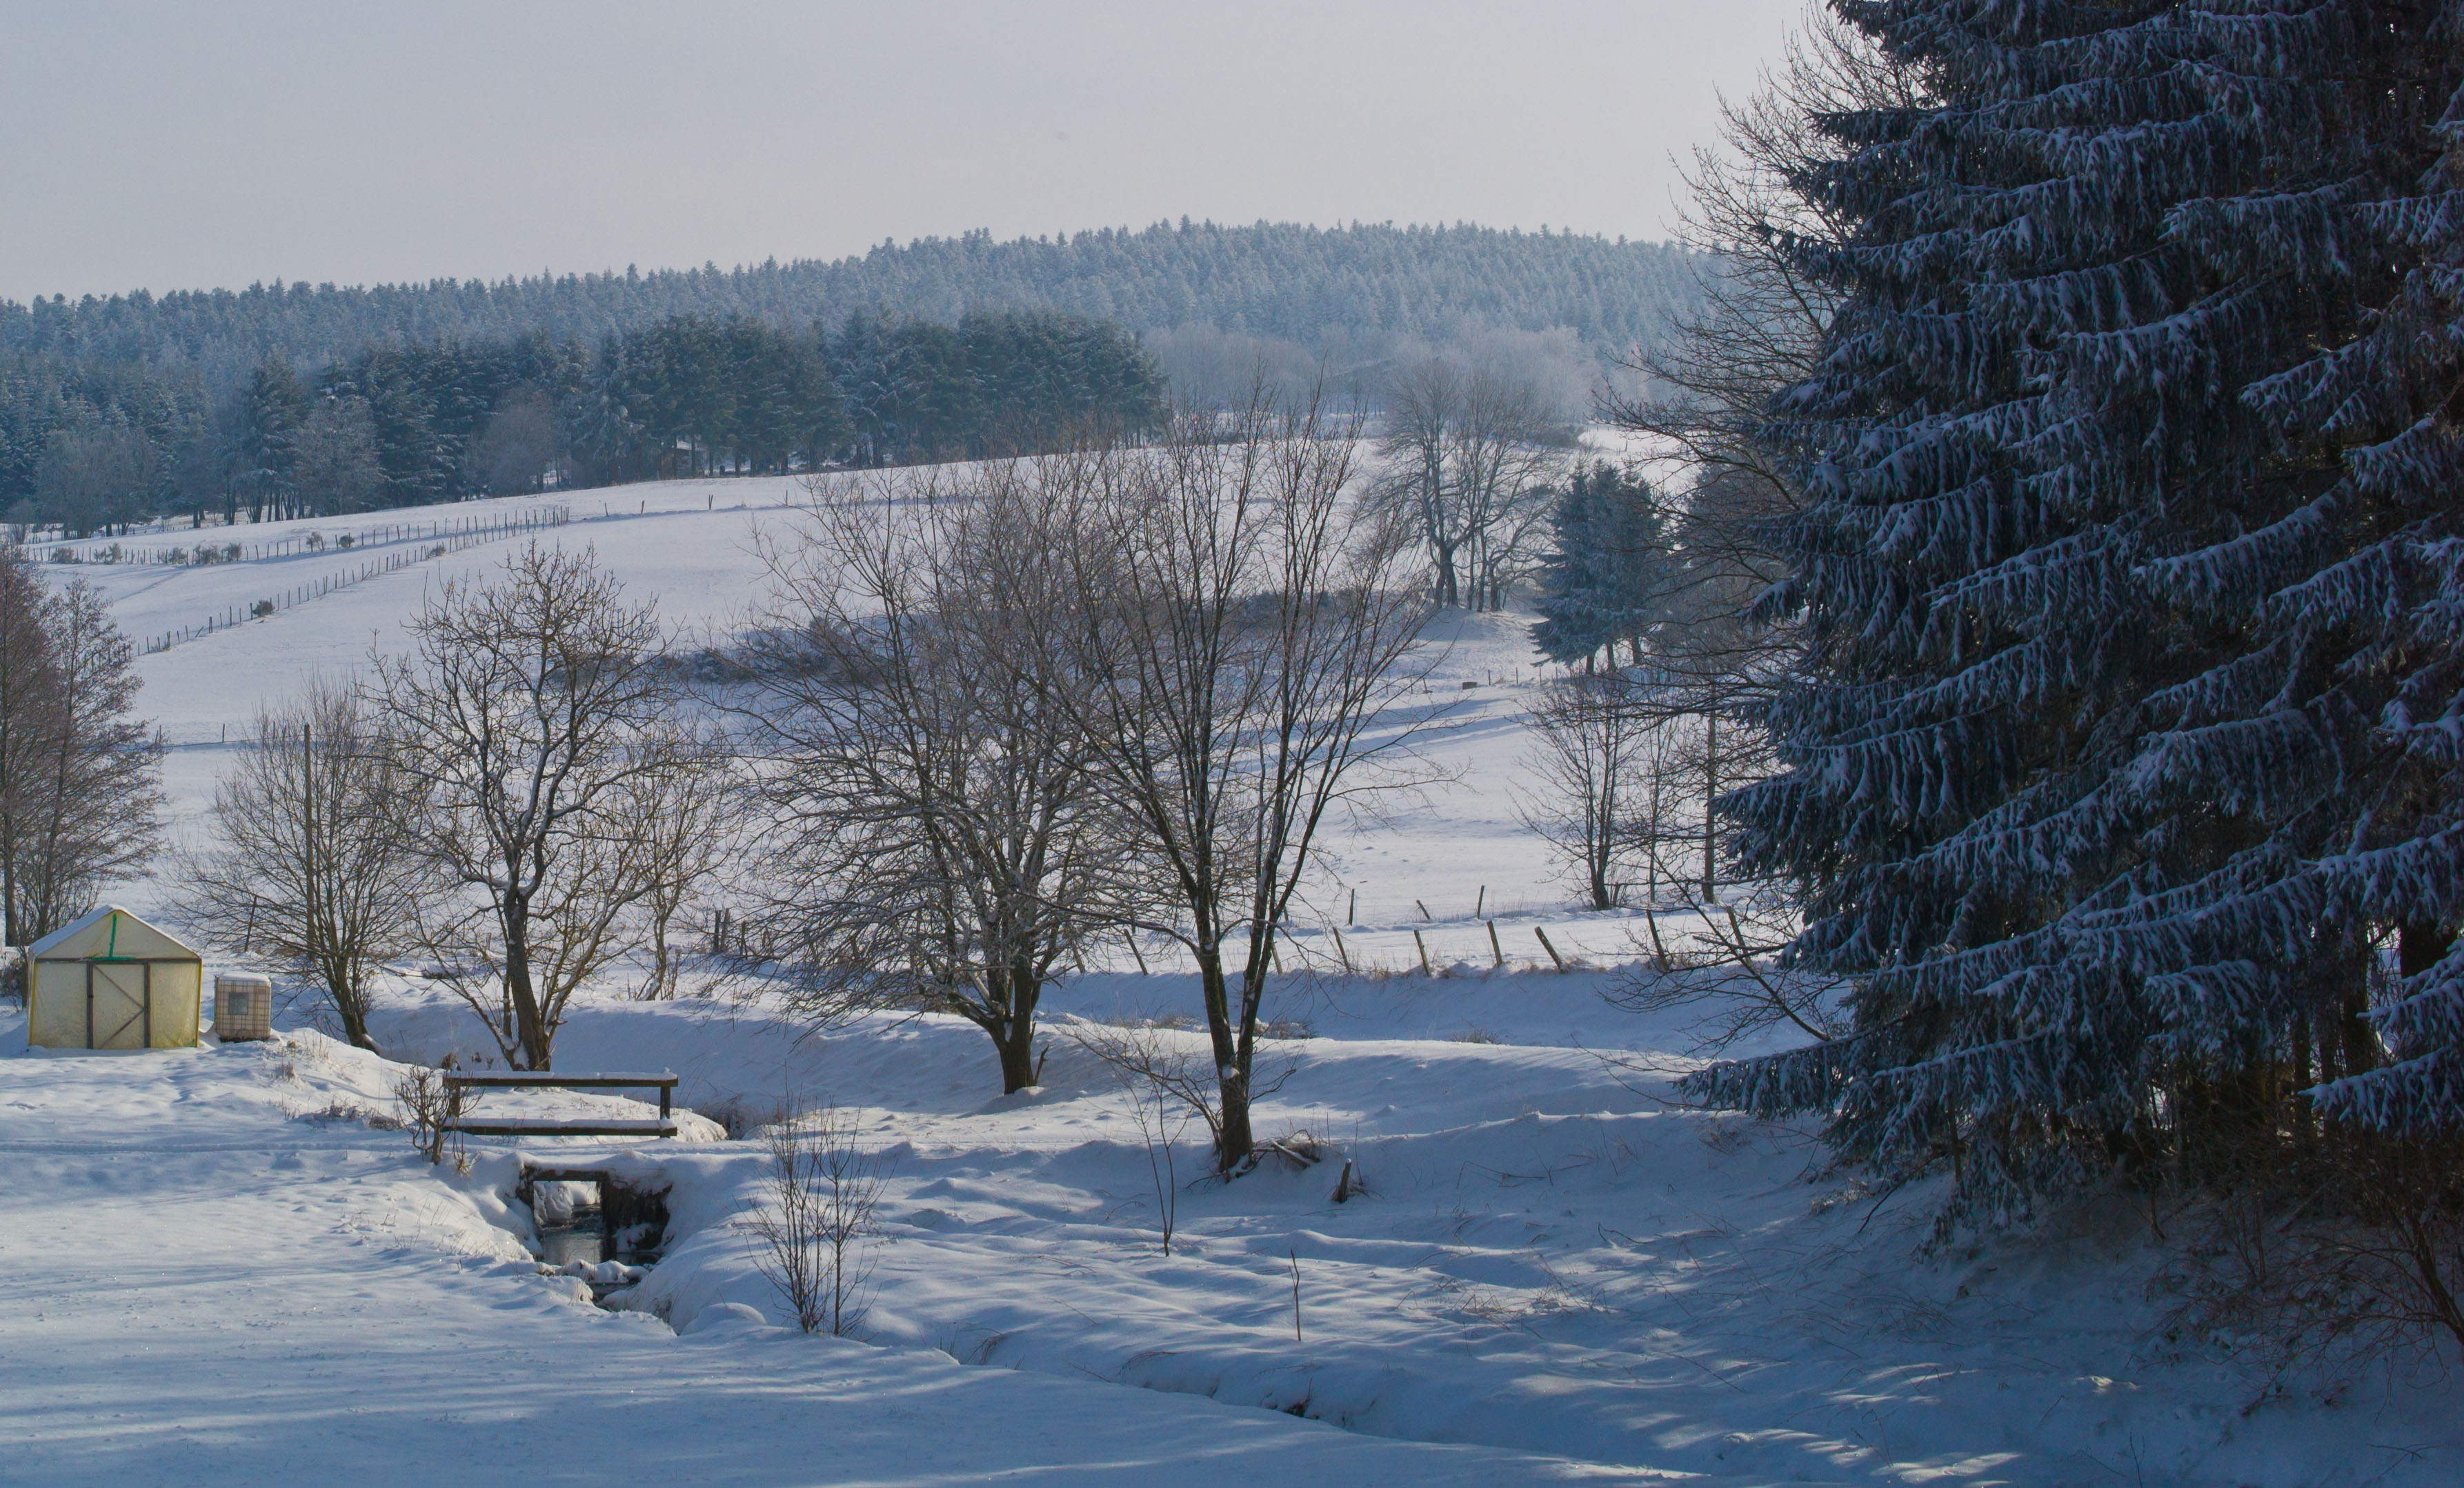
(205, 553)
(453, 538)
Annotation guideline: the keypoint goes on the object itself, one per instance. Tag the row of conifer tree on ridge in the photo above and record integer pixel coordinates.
(1284, 280)
(91, 446)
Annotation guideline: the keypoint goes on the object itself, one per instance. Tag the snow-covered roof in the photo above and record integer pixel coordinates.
(87, 921)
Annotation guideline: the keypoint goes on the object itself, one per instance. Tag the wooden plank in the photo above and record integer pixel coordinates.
(526, 1080)
(547, 1126)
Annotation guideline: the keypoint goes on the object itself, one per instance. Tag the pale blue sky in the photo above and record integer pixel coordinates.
(180, 145)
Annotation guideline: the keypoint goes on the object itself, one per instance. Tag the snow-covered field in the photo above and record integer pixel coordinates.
(212, 1269)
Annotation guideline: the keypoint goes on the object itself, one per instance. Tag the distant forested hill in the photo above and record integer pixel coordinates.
(1271, 281)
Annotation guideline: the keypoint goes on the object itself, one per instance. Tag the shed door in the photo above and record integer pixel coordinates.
(117, 1003)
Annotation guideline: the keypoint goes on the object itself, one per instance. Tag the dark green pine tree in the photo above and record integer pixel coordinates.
(2130, 514)
(270, 412)
(1606, 540)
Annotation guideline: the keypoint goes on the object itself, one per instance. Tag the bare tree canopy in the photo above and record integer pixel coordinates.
(1470, 454)
(1712, 381)
(1709, 648)
(1762, 315)
(79, 800)
(1585, 745)
(925, 752)
(539, 741)
(311, 862)
(1245, 636)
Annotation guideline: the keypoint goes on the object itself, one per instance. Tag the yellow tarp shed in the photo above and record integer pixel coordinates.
(109, 980)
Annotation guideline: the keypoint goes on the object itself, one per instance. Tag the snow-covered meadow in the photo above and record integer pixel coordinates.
(214, 1269)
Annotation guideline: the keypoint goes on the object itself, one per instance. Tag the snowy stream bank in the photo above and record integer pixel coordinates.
(1551, 1267)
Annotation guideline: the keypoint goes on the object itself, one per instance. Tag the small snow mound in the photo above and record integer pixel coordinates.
(725, 1317)
(693, 1127)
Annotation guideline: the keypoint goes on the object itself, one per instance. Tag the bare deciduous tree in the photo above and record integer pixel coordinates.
(1722, 639)
(1714, 657)
(538, 742)
(926, 755)
(1470, 452)
(79, 800)
(1759, 329)
(690, 824)
(1244, 632)
(1726, 961)
(313, 861)
(30, 713)
(2346, 1256)
(815, 1228)
(1585, 742)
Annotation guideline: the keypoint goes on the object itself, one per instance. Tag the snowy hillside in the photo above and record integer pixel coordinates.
(1556, 1274)
(692, 545)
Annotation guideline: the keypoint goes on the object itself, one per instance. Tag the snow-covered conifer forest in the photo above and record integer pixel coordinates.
(1823, 853)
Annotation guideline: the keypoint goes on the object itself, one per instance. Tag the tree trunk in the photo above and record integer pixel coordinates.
(1015, 1037)
(1448, 592)
(530, 1029)
(1017, 1045)
(2419, 947)
(2304, 1118)
(1710, 789)
(350, 1005)
(1232, 1081)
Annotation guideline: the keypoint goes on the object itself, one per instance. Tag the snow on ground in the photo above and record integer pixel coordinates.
(212, 1268)
(213, 1260)
(204, 1282)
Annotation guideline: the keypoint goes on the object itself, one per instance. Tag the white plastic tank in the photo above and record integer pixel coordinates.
(243, 1006)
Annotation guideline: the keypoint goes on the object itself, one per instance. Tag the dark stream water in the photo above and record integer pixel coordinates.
(578, 1239)
(581, 1234)
(595, 1219)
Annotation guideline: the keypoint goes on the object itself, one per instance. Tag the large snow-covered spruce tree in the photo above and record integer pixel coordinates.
(2125, 733)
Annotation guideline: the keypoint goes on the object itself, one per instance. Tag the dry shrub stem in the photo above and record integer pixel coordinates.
(816, 1229)
(2338, 1253)
(429, 1107)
